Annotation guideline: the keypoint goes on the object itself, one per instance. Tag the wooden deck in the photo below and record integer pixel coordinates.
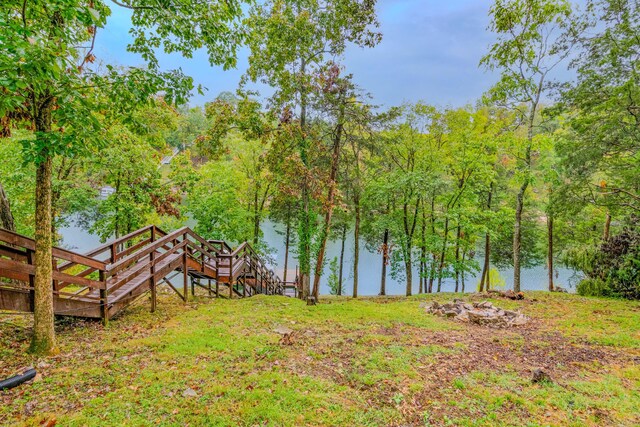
(104, 281)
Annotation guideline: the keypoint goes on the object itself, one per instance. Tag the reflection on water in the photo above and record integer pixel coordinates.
(369, 271)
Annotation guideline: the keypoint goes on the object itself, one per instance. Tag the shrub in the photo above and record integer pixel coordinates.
(593, 287)
(334, 279)
(614, 268)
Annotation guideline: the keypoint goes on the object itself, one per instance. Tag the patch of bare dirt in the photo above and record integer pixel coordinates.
(520, 350)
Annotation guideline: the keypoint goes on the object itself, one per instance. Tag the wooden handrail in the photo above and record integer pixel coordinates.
(106, 246)
(223, 245)
(124, 262)
(203, 241)
(64, 254)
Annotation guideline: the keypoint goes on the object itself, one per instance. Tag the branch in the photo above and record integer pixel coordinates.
(93, 43)
(131, 7)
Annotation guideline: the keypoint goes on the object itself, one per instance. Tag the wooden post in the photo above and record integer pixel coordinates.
(32, 291)
(104, 301)
(261, 283)
(230, 277)
(217, 289)
(152, 273)
(185, 276)
(244, 284)
(209, 286)
(54, 267)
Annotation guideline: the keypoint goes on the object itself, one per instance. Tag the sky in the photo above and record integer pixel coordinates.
(429, 52)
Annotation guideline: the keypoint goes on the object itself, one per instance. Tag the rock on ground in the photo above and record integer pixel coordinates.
(480, 313)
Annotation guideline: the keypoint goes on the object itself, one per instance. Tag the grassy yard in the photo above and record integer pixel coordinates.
(367, 362)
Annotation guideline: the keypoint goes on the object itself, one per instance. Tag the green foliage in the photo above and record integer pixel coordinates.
(17, 178)
(155, 123)
(289, 43)
(532, 239)
(600, 144)
(191, 125)
(612, 268)
(529, 45)
(217, 205)
(228, 113)
(72, 192)
(593, 287)
(130, 166)
(182, 173)
(618, 262)
(334, 278)
(496, 281)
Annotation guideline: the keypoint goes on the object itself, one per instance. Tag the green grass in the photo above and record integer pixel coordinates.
(367, 362)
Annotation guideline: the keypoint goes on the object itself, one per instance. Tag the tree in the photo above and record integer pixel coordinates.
(241, 133)
(338, 97)
(130, 166)
(599, 148)
(598, 151)
(192, 124)
(349, 120)
(529, 46)
(49, 85)
(283, 210)
(405, 177)
(288, 43)
(17, 178)
(250, 158)
(218, 206)
(334, 280)
(6, 217)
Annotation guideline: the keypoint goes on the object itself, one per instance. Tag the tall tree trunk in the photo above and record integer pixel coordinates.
(484, 279)
(343, 239)
(286, 249)
(43, 340)
(385, 260)
(6, 217)
(443, 252)
(356, 247)
(305, 223)
(462, 272)
(487, 246)
(517, 236)
(458, 235)
(335, 160)
(256, 217)
(517, 231)
(408, 267)
(420, 274)
(432, 269)
(409, 232)
(550, 249)
(423, 253)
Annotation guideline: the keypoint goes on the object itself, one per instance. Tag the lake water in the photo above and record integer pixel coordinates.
(80, 240)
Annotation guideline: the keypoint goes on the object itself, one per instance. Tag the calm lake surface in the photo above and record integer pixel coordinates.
(80, 240)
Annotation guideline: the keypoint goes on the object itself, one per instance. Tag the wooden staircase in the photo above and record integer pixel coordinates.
(102, 282)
